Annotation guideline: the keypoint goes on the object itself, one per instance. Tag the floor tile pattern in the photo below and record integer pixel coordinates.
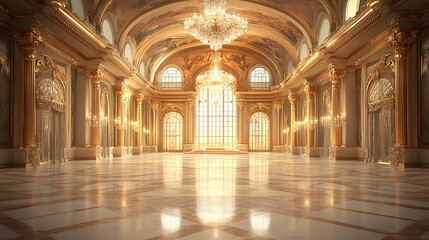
(164, 196)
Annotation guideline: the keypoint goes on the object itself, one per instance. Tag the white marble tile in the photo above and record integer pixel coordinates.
(383, 209)
(142, 227)
(396, 201)
(365, 220)
(6, 233)
(211, 234)
(32, 201)
(42, 210)
(69, 218)
(285, 227)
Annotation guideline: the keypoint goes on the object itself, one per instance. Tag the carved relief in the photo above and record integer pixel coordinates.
(49, 67)
(260, 107)
(380, 82)
(175, 107)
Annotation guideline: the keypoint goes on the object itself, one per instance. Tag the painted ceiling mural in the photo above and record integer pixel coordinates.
(276, 27)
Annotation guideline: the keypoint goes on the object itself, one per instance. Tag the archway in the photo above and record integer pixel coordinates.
(173, 132)
(259, 132)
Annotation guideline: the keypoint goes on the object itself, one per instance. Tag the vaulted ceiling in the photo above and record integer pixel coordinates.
(276, 29)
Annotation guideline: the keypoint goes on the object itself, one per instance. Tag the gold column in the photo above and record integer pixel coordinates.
(29, 42)
(190, 121)
(240, 124)
(310, 92)
(292, 99)
(337, 76)
(277, 108)
(154, 106)
(120, 99)
(95, 77)
(139, 101)
(401, 42)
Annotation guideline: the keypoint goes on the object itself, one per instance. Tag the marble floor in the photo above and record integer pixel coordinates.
(227, 197)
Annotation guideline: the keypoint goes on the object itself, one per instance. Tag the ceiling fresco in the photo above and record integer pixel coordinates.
(276, 28)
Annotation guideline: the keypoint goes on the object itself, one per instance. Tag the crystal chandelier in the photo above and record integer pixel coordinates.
(215, 77)
(214, 26)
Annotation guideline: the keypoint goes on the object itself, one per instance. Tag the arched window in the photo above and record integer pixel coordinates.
(351, 9)
(78, 8)
(259, 132)
(142, 70)
(304, 51)
(107, 31)
(324, 31)
(129, 53)
(260, 79)
(173, 128)
(171, 79)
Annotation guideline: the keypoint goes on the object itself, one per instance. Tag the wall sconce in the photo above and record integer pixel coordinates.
(310, 124)
(296, 126)
(135, 126)
(329, 121)
(121, 123)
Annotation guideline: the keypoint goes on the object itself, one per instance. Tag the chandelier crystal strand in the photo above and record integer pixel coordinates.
(214, 26)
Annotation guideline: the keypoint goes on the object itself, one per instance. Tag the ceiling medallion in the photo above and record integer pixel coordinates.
(214, 26)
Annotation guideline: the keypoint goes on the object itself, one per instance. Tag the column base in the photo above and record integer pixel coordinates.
(152, 148)
(187, 147)
(312, 152)
(347, 153)
(295, 150)
(409, 157)
(120, 151)
(243, 147)
(137, 150)
(279, 148)
(86, 153)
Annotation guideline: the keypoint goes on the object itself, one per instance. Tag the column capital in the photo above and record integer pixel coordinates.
(277, 105)
(139, 98)
(336, 74)
(29, 41)
(95, 77)
(154, 105)
(309, 89)
(240, 104)
(292, 96)
(400, 40)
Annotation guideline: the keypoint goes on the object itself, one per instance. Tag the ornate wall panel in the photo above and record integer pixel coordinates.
(5, 88)
(424, 89)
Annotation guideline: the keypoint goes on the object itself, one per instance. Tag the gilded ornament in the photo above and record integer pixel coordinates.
(401, 41)
(29, 42)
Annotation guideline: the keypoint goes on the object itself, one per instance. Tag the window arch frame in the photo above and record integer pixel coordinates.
(323, 18)
(179, 117)
(171, 85)
(301, 57)
(260, 85)
(266, 129)
(347, 11)
(84, 8)
(111, 20)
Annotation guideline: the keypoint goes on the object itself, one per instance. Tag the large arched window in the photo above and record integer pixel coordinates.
(173, 128)
(259, 79)
(107, 31)
(351, 9)
(259, 132)
(324, 31)
(171, 79)
(304, 51)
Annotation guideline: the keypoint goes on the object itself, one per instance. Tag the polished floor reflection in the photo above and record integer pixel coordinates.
(191, 196)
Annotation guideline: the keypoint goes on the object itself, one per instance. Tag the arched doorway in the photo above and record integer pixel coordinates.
(259, 131)
(50, 110)
(173, 132)
(381, 110)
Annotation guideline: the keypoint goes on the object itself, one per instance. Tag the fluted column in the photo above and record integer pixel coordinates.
(95, 77)
(310, 92)
(401, 41)
(29, 42)
(154, 106)
(277, 120)
(139, 101)
(337, 76)
(292, 99)
(120, 101)
(240, 123)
